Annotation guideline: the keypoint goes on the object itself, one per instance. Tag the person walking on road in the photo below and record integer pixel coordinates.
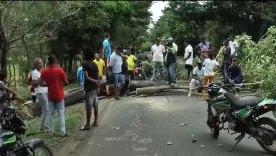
(188, 58)
(198, 74)
(41, 92)
(115, 66)
(209, 66)
(157, 51)
(101, 66)
(106, 50)
(54, 77)
(226, 59)
(170, 62)
(91, 84)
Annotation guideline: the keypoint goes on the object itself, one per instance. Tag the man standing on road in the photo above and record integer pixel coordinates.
(100, 64)
(188, 57)
(130, 59)
(106, 50)
(226, 59)
(157, 51)
(41, 92)
(170, 62)
(198, 74)
(204, 47)
(234, 47)
(170, 40)
(54, 77)
(80, 77)
(115, 65)
(91, 83)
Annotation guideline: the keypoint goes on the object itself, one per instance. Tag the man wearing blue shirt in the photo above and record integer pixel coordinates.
(80, 76)
(106, 50)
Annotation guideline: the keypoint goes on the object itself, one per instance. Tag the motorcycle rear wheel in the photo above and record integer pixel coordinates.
(272, 124)
(43, 147)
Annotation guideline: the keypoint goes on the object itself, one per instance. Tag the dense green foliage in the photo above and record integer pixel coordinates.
(30, 29)
(218, 20)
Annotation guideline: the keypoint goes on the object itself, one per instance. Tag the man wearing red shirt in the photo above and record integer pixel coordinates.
(54, 77)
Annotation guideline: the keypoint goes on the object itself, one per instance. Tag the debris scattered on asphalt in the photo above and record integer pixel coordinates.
(192, 136)
(201, 146)
(116, 128)
(169, 143)
(219, 145)
(194, 141)
(190, 125)
(183, 124)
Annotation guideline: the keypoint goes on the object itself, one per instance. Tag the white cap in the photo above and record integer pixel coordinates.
(170, 39)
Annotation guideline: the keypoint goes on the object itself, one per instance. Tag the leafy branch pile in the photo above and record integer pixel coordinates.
(258, 63)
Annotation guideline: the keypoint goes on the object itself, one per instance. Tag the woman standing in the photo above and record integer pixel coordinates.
(41, 92)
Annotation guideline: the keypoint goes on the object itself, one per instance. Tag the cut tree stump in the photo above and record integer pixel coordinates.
(157, 89)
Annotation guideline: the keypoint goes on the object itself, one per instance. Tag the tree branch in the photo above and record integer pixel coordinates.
(20, 46)
(2, 9)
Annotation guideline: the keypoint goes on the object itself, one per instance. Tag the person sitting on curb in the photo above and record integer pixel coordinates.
(198, 74)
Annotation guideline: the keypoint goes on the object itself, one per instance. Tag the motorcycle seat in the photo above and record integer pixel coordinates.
(243, 102)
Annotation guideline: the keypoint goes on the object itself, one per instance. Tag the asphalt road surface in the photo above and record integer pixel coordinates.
(142, 126)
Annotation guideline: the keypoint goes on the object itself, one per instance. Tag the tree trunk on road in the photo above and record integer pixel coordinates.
(157, 89)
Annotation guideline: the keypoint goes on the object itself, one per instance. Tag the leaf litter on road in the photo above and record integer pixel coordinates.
(183, 124)
(219, 145)
(194, 141)
(201, 146)
(169, 143)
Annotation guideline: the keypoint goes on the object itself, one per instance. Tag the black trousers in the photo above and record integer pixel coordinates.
(189, 68)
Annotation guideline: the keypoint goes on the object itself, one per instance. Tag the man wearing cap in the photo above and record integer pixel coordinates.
(235, 72)
(198, 75)
(170, 40)
(115, 66)
(157, 51)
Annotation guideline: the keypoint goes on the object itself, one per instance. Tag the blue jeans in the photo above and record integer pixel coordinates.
(172, 73)
(118, 79)
(43, 101)
(226, 70)
(59, 106)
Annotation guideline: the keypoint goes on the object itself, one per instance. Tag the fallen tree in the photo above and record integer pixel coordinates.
(157, 89)
(72, 97)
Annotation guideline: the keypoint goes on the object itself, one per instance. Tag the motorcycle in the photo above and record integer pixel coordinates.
(12, 128)
(242, 114)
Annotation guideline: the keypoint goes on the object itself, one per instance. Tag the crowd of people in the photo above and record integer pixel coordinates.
(117, 68)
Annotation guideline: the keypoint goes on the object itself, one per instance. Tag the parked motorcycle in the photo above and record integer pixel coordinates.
(12, 128)
(242, 115)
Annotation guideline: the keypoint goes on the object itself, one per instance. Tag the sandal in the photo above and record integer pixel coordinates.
(85, 127)
(95, 124)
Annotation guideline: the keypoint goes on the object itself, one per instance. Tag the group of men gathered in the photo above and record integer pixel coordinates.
(203, 73)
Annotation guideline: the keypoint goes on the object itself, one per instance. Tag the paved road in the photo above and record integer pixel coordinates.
(147, 124)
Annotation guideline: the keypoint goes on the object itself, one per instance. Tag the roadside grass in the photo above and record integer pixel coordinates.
(71, 120)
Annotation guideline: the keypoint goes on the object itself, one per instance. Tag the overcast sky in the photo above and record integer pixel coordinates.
(156, 9)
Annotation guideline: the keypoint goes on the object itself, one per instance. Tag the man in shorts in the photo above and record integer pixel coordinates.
(198, 75)
(115, 65)
(91, 83)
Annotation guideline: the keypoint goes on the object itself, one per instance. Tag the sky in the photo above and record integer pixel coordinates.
(156, 9)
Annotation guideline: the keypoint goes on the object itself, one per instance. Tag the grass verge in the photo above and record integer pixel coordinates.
(71, 119)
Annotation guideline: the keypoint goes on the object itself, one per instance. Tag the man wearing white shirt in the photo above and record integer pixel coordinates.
(188, 58)
(157, 51)
(41, 92)
(234, 47)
